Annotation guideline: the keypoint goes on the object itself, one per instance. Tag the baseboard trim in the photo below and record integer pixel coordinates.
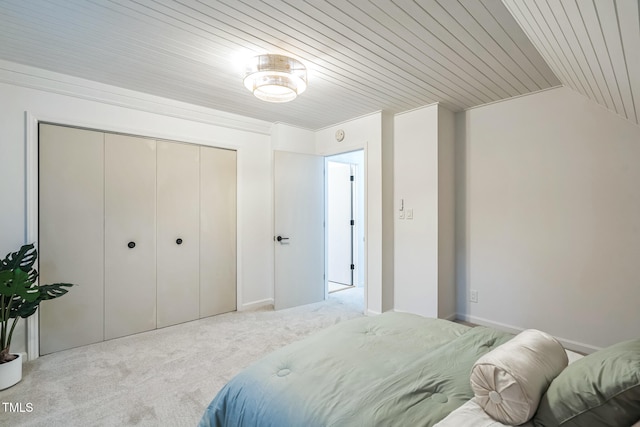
(255, 305)
(372, 313)
(568, 344)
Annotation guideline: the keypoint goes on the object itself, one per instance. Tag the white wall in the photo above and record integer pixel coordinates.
(388, 244)
(62, 99)
(366, 133)
(550, 235)
(446, 214)
(294, 139)
(424, 188)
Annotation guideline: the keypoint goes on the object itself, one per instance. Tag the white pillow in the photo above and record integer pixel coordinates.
(509, 381)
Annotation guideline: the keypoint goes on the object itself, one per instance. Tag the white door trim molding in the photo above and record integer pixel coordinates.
(364, 146)
(31, 231)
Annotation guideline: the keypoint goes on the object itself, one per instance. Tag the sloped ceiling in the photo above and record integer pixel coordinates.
(363, 56)
(593, 46)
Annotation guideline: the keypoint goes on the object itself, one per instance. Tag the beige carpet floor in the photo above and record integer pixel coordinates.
(165, 377)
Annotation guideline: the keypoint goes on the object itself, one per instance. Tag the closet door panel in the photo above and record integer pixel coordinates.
(217, 231)
(130, 235)
(70, 241)
(178, 232)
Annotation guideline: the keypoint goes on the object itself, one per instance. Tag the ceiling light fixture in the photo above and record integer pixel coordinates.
(275, 78)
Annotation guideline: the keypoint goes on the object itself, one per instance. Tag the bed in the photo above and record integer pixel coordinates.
(392, 369)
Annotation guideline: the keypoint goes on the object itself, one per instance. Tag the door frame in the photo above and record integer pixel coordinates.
(32, 217)
(356, 235)
(365, 171)
(31, 230)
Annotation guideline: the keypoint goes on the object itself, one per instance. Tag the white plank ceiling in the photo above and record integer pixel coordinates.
(363, 56)
(593, 46)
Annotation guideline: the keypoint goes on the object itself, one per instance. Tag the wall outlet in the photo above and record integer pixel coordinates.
(473, 295)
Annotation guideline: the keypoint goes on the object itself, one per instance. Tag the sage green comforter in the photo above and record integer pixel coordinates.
(395, 369)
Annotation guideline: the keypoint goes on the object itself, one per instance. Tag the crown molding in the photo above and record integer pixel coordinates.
(62, 84)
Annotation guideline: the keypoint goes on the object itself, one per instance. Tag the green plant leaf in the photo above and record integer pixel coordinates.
(20, 296)
(17, 282)
(25, 309)
(52, 291)
(24, 259)
(5, 277)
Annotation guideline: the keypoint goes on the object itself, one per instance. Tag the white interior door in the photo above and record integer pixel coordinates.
(299, 228)
(339, 228)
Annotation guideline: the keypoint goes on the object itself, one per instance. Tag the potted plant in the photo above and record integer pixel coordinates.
(20, 297)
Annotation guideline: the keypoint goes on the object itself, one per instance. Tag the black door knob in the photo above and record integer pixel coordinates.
(179, 241)
(280, 238)
(131, 245)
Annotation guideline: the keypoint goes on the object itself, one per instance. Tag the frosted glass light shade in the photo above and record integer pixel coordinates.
(275, 78)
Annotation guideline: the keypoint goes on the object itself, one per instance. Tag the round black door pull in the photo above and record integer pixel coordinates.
(131, 245)
(179, 241)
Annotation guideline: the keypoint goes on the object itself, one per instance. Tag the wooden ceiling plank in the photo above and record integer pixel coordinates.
(577, 51)
(442, 40)
(465, 80)
(469, 30)
(531, 77)
(453, 35)
(560, 39)
(421, 60)
(582, 35)
(528, 24)
(594, 30)
(89, 37)
(503, 15)
(629, 20)
(398, 50)
(356, 77)
(608, 18)
(466, 75)
(317, 48)
(233, 47)
(549, 38)
(412, 46)
(151, 33)
(358, 44)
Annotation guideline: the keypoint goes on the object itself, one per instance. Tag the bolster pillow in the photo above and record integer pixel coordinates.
(509, 381)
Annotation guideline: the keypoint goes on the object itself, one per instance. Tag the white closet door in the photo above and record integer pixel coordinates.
(178, 210)
(217, 231)
(130, 235)
(71, 233)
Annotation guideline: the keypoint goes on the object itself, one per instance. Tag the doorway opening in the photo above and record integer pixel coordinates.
(345, 222)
